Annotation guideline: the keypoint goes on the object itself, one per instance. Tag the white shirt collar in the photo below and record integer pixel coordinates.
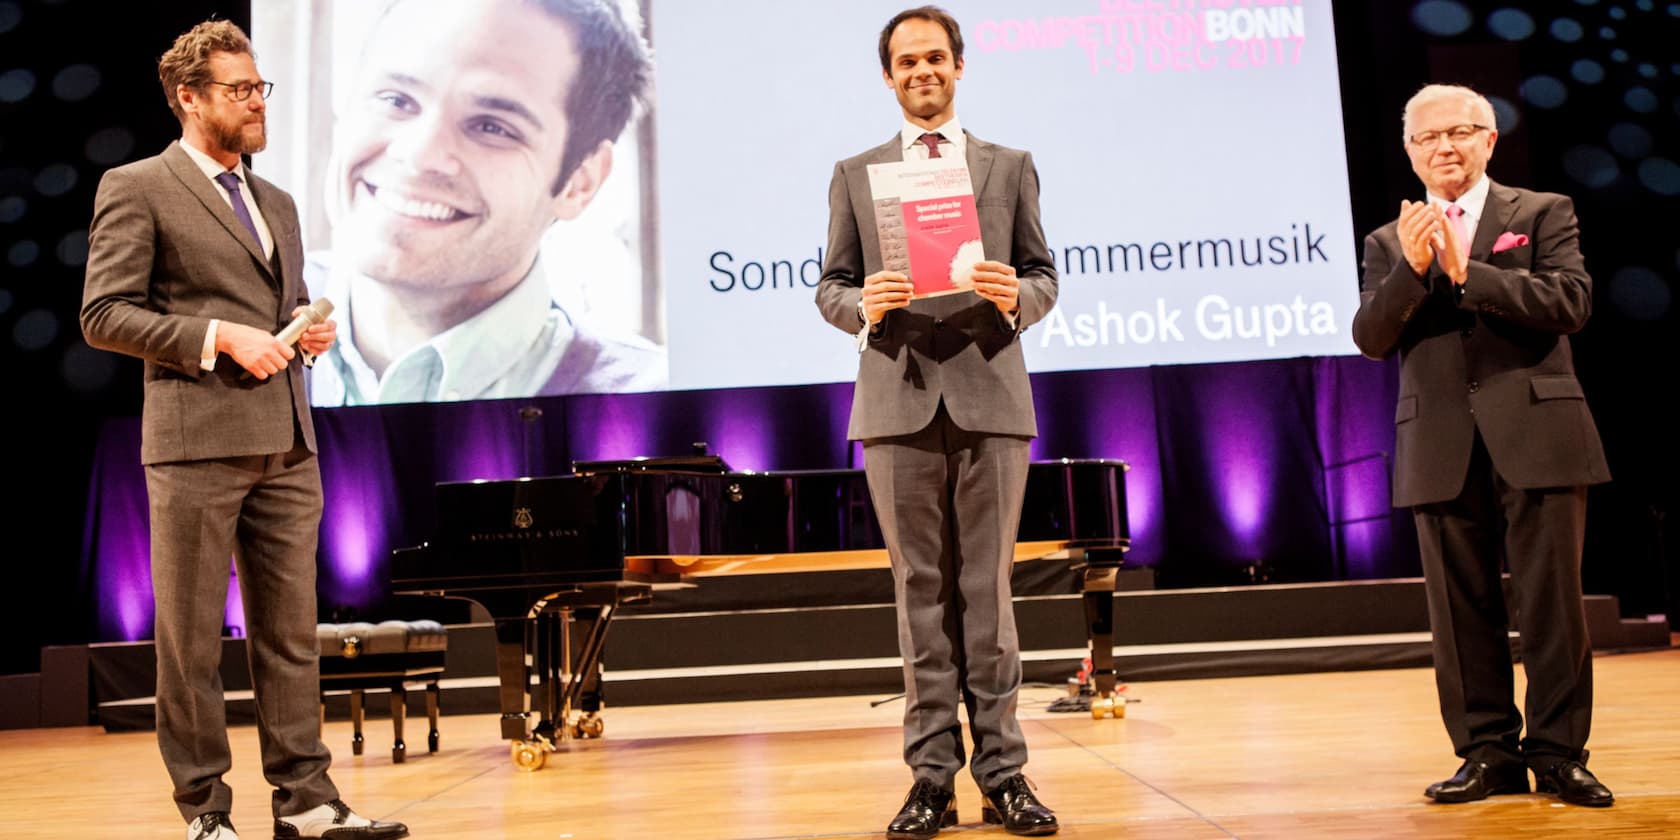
(1472, 201)
(213, 169)
(485, 347)
(467, 360)
(209, 165)
(910, 134)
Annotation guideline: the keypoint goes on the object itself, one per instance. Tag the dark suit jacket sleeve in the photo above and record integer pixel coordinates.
(123, 245)
(1390, 294)
(1033, 264)
(1555, 294)
(841, 286)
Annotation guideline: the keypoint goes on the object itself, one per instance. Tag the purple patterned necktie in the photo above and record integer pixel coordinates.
(230, 182)
(931, 141)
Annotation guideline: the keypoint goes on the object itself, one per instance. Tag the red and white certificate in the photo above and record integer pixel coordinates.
(926, 222)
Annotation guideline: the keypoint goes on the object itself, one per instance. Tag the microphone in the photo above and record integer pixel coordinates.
(314, 313)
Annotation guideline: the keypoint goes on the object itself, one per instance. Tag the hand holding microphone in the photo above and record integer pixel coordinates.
(263, 355)
(315, 313)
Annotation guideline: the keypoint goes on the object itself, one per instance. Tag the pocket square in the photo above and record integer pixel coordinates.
(1509, 240)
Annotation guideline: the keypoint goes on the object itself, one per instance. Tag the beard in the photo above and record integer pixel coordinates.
(230, 135)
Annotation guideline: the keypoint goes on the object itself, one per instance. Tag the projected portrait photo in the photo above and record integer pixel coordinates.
(471, 180)
(497, 208)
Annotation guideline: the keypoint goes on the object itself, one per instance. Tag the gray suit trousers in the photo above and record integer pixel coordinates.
(264, 512)
(949, 504)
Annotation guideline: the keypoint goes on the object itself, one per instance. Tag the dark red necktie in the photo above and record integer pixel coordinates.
(931, 141)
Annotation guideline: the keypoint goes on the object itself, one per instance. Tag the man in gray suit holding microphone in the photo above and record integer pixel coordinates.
(194, 264)
(944, 409)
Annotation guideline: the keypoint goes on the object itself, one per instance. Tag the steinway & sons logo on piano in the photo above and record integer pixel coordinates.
(522, 522)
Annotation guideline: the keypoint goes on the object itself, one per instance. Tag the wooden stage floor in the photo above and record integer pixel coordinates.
(1302, 756)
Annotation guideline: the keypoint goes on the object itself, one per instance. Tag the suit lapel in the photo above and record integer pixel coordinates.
(979, 156)
(281, 233)
(1501, 206)
(193, 179)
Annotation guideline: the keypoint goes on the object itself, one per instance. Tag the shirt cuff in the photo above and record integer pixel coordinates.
(865, 327)
(207, 356)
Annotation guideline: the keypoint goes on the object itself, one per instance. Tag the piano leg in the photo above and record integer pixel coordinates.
(515, 644)
(541, 644)
(1102, 568)
(586, 681)
(554, 655)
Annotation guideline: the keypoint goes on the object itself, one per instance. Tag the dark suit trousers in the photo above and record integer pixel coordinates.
(949, 504)
(1539, 534)
(265, 513)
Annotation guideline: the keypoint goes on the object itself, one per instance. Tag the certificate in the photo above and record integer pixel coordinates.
(926, 223)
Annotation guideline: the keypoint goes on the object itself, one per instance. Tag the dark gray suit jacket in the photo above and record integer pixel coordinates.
(1496, 360)
(954, 347)
(165, 255)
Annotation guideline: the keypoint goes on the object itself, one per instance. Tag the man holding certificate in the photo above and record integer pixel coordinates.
(944, 409)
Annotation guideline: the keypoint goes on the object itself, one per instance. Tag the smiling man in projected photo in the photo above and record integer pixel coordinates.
(471, 127)
(1478, 287)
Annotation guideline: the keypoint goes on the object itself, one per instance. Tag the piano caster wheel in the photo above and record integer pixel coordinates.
(529, 756)
(589, 726)
(1102, 707)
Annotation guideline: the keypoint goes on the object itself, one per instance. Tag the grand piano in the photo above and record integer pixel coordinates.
(555, 557)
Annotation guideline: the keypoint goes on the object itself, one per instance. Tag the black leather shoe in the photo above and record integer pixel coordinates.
(1013, 804)
(1477, 779)
(1575, 784)
(927, 809)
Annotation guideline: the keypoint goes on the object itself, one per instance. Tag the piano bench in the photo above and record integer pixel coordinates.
(360, 657)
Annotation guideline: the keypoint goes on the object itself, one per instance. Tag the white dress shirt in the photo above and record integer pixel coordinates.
(954, 145)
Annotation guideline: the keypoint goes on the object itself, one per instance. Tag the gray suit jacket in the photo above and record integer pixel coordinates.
(165, 255)
(1496, 360)
(957, 348)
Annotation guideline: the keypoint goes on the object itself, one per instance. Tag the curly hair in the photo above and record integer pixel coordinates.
(188, 60)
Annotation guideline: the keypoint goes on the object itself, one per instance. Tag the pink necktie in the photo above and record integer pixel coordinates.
(1455, 214)
(931, 141)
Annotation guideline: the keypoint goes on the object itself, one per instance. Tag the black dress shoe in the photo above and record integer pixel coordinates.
(1013, 804)
(1479, 780)
(927, 809)
(1575, 784)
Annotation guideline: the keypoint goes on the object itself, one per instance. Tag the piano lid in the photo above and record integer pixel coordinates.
(703, 464)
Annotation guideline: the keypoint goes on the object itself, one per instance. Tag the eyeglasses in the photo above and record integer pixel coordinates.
(241, 91)
(1457, 134)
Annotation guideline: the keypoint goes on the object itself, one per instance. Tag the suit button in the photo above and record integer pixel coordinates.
(1465, 333)
(939, 323)
(1474, 386)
